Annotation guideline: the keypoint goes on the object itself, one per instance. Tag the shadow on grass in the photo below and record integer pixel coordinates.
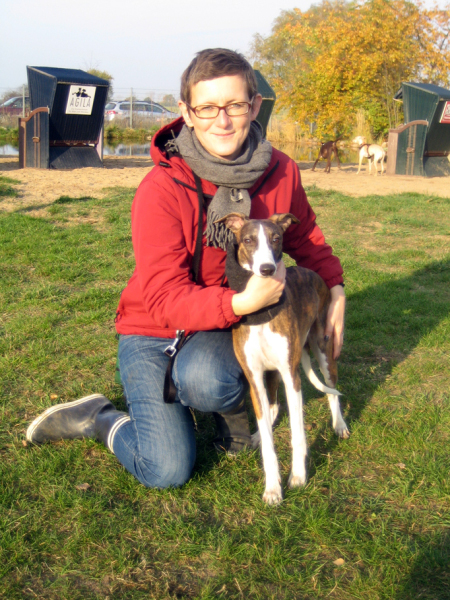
(70, 200)
(384, 324)
(429, 576)
(58, 201)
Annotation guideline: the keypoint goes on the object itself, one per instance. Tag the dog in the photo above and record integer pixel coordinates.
(276, 339)
(327, 149)
(371, 152)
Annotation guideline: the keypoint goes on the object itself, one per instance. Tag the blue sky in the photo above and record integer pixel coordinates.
(144, 44)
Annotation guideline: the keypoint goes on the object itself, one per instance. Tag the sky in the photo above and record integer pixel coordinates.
(144, 44)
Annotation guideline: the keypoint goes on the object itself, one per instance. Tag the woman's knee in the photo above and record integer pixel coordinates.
(165, 473)
(215, 392)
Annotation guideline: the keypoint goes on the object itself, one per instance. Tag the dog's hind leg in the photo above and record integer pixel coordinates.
(337, 158)
(375, 166)
(318, 158)
(292, 384)
(328, 157)
(273, 379)
(328, 368)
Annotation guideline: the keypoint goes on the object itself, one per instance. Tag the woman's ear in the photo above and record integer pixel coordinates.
(185, 113)
(256, 105)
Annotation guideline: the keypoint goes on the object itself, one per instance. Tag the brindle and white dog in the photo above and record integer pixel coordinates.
(279, 339)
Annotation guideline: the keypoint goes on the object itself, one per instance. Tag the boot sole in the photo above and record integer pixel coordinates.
(53, 409)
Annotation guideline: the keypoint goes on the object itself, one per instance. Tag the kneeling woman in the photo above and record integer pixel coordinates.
(211, 161)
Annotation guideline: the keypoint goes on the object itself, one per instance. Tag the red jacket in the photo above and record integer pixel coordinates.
(161, 296)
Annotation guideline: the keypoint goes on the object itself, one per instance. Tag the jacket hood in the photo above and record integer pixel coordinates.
(161, 137)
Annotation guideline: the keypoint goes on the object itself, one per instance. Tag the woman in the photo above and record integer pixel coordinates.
(214, 155)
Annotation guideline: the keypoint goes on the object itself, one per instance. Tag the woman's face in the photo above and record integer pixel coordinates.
(222, 136)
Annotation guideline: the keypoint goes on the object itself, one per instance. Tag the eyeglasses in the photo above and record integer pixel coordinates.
(210, 111)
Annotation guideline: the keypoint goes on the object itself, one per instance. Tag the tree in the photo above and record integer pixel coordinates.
(104, 75)
(169, 101)
(12, 93)
(338, 58)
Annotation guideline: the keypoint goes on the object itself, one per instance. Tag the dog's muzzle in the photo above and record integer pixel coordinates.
(267, 269)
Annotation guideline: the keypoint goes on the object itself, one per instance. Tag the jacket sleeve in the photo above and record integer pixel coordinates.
(163, 263)
(305, 242)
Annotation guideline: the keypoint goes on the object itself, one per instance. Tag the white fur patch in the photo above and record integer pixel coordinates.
(263, 254)
(266, 349)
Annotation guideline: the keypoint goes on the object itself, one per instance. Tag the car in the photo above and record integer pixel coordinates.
(14, 106)
(149, 110)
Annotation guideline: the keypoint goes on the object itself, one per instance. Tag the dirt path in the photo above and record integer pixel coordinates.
(41, 187)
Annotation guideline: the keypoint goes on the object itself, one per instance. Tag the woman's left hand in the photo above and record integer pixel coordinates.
(335, 318)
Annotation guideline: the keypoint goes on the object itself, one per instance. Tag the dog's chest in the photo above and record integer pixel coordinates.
(266, 349)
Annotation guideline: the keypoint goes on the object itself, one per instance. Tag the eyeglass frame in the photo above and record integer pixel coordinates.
(249, 105)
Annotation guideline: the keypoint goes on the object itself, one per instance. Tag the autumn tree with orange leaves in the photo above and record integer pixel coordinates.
(338, 58)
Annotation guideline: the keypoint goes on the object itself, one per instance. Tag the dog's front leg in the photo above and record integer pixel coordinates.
(360, 162)
(294, 397)
(272, 493)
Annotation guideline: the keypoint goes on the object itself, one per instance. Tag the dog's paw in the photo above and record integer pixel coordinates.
(273, 497)
(342, 431)
(296, 481)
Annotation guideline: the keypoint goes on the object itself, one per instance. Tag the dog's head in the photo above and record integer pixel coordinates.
(359, 140)
(260, 242)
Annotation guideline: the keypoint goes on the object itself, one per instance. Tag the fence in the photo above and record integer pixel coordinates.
(167, 98)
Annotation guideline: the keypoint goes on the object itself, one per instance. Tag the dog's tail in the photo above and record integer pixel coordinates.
(306, 364)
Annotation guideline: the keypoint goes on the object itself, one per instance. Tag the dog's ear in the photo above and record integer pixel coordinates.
(284, 220)
(234, 221)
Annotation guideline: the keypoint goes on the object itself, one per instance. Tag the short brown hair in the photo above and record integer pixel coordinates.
(213, 63)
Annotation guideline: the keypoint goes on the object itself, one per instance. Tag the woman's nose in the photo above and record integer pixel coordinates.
(222, 118)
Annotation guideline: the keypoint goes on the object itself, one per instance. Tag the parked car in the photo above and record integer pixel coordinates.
(150, 110)
(14, 106)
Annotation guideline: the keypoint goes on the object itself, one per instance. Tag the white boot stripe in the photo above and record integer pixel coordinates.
(117, 425)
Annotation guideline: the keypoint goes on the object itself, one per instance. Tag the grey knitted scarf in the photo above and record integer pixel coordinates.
(233, 177)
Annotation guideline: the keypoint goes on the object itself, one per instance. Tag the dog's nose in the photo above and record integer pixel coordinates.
(267, 270)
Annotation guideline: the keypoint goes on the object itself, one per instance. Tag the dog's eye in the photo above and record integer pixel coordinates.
(247, 240)
(276, 239)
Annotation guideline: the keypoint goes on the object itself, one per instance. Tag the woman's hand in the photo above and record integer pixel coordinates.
(335, 318)
(260, 292)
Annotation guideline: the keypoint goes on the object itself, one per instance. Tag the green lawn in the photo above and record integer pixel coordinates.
(379, 501)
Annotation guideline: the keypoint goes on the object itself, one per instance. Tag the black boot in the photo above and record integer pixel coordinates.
(90, 417)
(233, 432)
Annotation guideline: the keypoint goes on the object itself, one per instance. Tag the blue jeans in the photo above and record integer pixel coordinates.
(157, 445)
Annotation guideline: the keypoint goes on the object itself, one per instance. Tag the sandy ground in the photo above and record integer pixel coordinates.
(39, 188)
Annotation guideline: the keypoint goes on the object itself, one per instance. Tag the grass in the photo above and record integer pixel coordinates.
(115, 132)
(379, 501)
(6, 187)
(119, 132)
(9, 131)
